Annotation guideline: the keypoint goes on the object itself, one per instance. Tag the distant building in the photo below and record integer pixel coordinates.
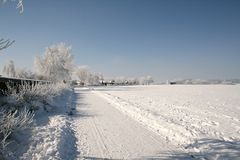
(172, 83)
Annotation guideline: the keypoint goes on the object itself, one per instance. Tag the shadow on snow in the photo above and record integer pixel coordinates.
(210, 149)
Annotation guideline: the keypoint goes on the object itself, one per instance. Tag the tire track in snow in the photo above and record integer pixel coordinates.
(99, 139)
(113, 135)
(176, 133)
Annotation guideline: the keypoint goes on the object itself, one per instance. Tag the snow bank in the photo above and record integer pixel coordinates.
(51, 136)
(55, 140)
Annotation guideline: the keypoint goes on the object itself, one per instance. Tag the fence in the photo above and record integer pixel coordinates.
(15, 82)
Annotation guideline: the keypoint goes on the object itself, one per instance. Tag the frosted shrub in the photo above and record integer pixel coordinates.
(33, 96)
(11, 122)
(18, 108)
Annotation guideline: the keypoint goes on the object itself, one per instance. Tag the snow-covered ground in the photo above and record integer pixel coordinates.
(50, 137)
(202, 120)
(136, 122)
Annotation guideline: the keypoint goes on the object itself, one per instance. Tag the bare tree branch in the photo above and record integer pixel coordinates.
(19, 4)
(5, 43)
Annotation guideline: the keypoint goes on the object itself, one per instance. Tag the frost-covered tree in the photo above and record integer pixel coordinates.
(23, 73)
(150, 80)
(120, 80)
(9, 69)
(88, 78)
(101, 78)
(93, 79)
(96, 79)
(146, 80)
(133, 81)
(82, 73)
(56, 63)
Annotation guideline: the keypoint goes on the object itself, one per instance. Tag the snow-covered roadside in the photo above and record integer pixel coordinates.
(55, 140)
(202, 120)
(51, 136)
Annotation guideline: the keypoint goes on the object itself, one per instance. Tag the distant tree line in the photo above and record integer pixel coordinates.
(57, 65)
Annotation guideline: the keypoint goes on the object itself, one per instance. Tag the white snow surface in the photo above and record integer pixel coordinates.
(137, 122)
(52, 141)
(202, 120)
(103, 132)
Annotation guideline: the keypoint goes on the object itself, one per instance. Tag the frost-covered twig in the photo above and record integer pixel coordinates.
(5, 43)
(19, 4)
(11, 122)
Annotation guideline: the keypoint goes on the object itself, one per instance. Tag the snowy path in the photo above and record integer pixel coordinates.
(104, 132)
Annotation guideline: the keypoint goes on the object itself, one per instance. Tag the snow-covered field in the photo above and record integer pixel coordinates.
(203, 120)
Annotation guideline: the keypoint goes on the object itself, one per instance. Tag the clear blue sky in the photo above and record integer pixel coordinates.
(167, 39)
